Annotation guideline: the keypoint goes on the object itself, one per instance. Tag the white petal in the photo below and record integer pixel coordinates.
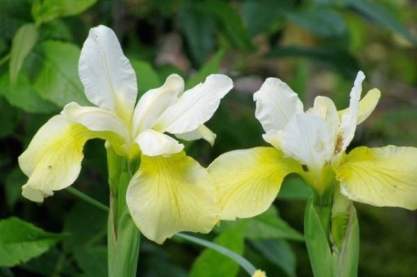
(95, 119)
(153, 143)
(276, 104)
(325, 108)
(350, 118)
(107, 75)
(155, 101)
(201, 132)
(195, 106)
(307, 139)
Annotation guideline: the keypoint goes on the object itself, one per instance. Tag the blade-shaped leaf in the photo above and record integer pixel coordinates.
(212, 66)
(22, 44)
(21, 241)
(47, 10)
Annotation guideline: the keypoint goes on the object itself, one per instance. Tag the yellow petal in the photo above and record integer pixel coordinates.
(259, 273)
(247, 181)
(366, 105)
(53, 158)
(169, 195)
(385, 176)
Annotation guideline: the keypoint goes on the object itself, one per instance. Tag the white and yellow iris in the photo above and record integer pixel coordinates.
(170, 191)
(312, 143)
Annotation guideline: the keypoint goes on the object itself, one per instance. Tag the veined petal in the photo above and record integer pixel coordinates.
(276, 104)
(53, 158)
(384, 176)
(107, 75)
(366, 105)
(308, 139)
(350, 117)
(201, 132)
(248, 181)
(170, 195)
(155, 101)
(95, 119)
(195, 106)
(153, 143)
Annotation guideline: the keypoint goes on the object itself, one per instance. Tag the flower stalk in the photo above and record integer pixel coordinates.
(123, 237)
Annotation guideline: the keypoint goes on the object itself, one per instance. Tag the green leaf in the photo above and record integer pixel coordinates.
(147, 77)
(92, 261)
(9, 118)
(317, 244)
(264, 15)
(22, 95)
(211, 263)
(21, 241)
(270, 226)
(230, 23)
(382, 16)
(22, 44)
(47, 10)
(58, 79)
(320, 21)
(212, 66)
(294, 188)
(199, 29)
(14, 181)
(278, 252)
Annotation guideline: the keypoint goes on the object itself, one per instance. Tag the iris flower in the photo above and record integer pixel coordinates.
(313, 144)
(170, 191)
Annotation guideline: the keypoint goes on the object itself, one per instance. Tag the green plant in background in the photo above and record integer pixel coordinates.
(316, 46)
(312, 144)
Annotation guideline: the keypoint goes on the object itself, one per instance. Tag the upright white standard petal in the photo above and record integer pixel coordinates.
(195, 106)
(307, 139)
(155, 101)
(153, 143)
(276, 104)
(107, 75)
(201, 132)
(325, 108)
(350, 118)
(95, 119)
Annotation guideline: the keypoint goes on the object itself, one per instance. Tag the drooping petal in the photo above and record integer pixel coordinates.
(170, 195)
(201, 132)
(276, 104)
(155, 101)
(53, 158)
(107, 75)
(384, 176)
(308, 139)
(95, 119)
(350, 118)
(366, 105)
(247, 181)
(195, 106)
(153, 143)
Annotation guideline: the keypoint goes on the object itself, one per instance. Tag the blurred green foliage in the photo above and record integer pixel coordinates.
(317, 46)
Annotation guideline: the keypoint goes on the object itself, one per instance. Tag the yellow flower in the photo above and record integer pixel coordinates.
(259, 273)
(169, 192)
(312, 144)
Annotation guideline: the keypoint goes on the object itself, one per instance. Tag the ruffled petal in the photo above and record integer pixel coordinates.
(53, 158)
(350, 117)
(107, 75)
(155, 101)
(276, 104)
(385, 176)
(201, 132)
(153, 143)
(170, 195)
(248, 181)
(195, 106)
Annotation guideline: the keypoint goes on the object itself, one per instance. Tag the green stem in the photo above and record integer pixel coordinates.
(88, 199)
(123, 237)
(245, 264)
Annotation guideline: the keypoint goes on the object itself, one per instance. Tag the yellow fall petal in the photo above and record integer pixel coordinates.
(366, 105)
(53, 158)
(259, 273)
(247, 181)
(169, 195)
(385, 176)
